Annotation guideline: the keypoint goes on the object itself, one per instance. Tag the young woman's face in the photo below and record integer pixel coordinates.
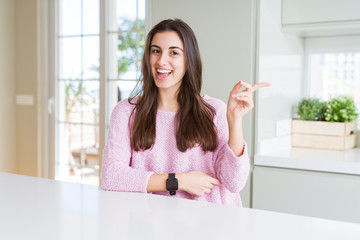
(167, 60)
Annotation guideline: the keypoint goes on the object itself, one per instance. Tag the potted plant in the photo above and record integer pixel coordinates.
(325, 125)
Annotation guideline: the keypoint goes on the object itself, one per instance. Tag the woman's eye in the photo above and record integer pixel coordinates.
(155, 51)
(174, 53)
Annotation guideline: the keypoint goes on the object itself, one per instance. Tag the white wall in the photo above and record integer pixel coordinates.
(7, 87)
(18, 75)
(225, 33)
(280, 62)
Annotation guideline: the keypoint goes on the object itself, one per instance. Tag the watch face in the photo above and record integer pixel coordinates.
(172, 184)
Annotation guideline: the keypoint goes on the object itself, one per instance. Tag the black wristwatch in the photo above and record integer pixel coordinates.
(172, 184)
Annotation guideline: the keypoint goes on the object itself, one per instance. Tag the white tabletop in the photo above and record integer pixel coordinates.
(35, 208)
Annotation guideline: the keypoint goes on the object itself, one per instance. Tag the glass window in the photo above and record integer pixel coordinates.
(126, 46)
(333, 68)
(78, 82)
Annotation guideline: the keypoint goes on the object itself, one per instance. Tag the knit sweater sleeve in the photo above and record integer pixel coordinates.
(232, 171)
(116, 172)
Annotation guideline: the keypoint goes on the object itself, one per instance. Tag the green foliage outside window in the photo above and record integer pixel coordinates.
(74, 92)
(127, 44)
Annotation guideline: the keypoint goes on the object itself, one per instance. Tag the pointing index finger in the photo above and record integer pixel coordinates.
(260, 85)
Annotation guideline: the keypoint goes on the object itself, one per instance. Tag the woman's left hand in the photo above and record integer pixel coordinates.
(240, 103)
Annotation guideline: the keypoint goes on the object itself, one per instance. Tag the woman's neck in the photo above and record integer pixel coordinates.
(168, 101)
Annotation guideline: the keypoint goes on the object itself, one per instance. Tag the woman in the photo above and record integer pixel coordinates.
(171, 140)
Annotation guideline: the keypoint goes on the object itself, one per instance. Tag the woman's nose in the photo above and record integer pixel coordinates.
(163, 59)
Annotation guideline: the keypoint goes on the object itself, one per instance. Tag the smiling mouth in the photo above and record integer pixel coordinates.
(162, 74)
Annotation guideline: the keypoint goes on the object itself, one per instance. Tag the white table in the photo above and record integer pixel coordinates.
(35, 208)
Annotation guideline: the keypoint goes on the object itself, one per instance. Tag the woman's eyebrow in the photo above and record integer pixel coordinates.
(173, 47)
(176, 47)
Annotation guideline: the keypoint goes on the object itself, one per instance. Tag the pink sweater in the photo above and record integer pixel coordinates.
(129, 171)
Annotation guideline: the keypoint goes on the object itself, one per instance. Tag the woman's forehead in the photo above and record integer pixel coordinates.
(167, 39)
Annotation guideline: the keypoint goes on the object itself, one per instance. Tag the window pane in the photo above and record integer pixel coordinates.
(84, 143)
(126, 55)
(91, 57)
(70, 101)
(118, 90)
(79, 102)
(114, 96)
(334, 74)
(75, 139)
(126, 14)
(61, 104)
(68, 173)
(141, 13)
(90, 102)
(78, 154)
(90, 172)
(63, 144)
(67, 133)
(70, 17)
(90, 139)
(125, 88)
(91, 18)
(140, 52)
(126, 47)
(141, 44)
(70, 58)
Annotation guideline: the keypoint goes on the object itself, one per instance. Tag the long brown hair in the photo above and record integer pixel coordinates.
(194, 120)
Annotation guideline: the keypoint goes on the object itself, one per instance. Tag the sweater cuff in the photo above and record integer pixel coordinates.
(147, 177)
(240, 159)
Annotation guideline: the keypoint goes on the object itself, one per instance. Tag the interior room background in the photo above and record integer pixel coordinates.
(60, 76)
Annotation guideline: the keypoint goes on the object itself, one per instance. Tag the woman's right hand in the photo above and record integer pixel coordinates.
(196, 183)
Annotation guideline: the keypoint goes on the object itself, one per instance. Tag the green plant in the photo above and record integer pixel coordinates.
(341, 109)
(311, 109)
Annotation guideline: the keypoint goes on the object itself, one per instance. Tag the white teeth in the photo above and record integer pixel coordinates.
(163, 71)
